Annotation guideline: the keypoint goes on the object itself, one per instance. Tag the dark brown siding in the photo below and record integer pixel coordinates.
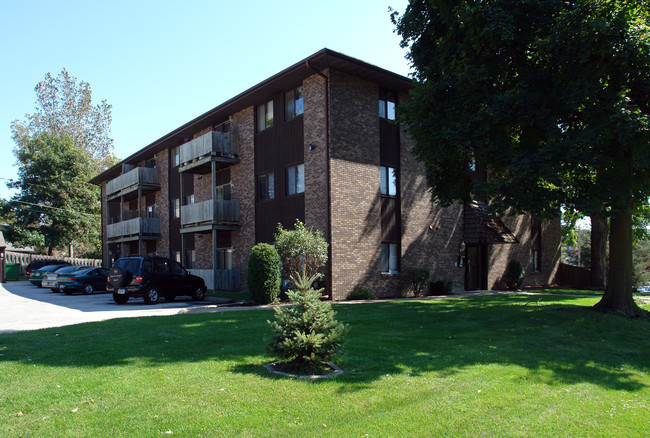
(389, 143)
(276, 148)
(390, 220)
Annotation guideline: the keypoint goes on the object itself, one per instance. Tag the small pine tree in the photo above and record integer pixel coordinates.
(306, 333)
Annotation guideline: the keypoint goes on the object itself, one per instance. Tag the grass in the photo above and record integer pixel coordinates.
(501, 365)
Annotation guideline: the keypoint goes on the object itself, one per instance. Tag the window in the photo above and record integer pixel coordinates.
(224, 258)
(189, 199)
(293, 103)
(265, 116)
(161, 266)
(388, 181)
(536, 244)
(223, 192)
(537, 260)
(386, 105)
(295, 179)
(176, 208)
(265, 187)
(176, 268)
(176, 156)
(389, 258)
(189, 258)
(176, 255)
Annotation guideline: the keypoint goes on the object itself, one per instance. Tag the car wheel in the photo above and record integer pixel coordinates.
(88, 289)
(199, 294)
(151, 295)
(120, 299)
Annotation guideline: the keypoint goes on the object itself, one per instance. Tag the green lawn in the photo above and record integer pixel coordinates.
(486, 366)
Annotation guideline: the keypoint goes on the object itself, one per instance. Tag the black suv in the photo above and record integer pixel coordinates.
(152, 278)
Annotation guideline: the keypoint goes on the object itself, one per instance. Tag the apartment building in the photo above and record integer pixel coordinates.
(316, 142)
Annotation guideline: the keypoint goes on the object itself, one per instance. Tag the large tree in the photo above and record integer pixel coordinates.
(65, 106)
(55, 206)
(553, 97)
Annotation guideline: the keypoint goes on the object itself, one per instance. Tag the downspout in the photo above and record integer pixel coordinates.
(327, 170)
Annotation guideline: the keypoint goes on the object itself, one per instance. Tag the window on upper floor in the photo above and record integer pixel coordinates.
(388, 181)
(265, 116)
(295, 179)
(387, 105)
(176, 156)
(293, 103)
(176, 208)
(265, 187)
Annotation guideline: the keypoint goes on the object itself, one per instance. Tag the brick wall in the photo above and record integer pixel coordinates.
(354, 174)
(431, 234)
(162, 203)
(315, 133)
(243, 178)
(500, 255)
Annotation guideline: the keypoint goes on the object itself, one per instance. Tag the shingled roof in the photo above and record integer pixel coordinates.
(480, 228)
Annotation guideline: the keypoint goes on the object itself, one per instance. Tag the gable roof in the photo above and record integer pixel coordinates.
(281, 81)
(480, 228)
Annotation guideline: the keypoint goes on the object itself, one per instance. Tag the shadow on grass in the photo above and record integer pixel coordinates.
(556, 340)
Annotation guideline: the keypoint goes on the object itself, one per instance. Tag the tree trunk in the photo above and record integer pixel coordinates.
(618, 295)
(598, 249)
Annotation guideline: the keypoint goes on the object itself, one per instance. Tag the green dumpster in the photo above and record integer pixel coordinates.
(12, 272)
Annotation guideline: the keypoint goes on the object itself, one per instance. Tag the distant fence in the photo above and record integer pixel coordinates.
(23, 259)
(573, 276)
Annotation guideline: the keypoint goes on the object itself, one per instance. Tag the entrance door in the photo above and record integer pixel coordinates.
(476, 267)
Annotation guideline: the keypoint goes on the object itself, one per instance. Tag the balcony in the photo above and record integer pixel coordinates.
(207, 215)
(146, 178)
(197, 155)
(132, 228)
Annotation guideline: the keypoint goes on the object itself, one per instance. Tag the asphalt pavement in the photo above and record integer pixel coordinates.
(24, 306)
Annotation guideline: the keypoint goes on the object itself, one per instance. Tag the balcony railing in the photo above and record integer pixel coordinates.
(223, 213)
(139, 226)
(139, 176)
(214, 143)
(227, 279)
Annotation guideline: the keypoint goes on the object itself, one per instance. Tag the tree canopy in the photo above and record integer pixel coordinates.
(552, 97)
(64, 106)
(56, 205)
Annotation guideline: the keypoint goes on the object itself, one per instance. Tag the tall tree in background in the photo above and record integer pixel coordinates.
(59, 148)
(553, 97)
(56, 205)
(64, 106)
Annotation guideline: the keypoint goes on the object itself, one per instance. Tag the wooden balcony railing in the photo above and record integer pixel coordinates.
(221, 213)
(214, 143)
(149, 226)
(139, 176)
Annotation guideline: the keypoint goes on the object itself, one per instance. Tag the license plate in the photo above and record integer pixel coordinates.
(121, 291)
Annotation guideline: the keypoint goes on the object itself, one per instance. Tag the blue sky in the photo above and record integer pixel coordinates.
(162, 63)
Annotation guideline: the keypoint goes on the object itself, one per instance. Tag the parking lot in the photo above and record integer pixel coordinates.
(24, 306)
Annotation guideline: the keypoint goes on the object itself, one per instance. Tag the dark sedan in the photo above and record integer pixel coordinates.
(88, 281)
(36, 277)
